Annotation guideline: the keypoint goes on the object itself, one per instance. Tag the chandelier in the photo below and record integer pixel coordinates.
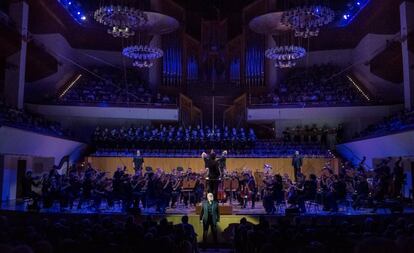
(285, 56)
(121, 32)
(285, 64)
(122, 20)
(306, 21)
(142, 64)
(142, 55)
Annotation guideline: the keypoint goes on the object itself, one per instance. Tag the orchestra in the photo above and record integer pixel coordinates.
(164, 190)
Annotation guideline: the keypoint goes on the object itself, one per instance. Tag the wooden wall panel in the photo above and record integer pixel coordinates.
(280, 165)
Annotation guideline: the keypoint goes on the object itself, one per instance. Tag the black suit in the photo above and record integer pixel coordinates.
(213, 175)
(297, 165)
(210, 215)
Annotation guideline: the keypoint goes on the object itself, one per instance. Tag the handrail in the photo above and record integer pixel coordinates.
(354, 156)
(312, 104)
(110, 104)
(42, 132)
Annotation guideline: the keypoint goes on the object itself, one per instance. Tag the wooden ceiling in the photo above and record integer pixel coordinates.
(48, 16)
(39, 63)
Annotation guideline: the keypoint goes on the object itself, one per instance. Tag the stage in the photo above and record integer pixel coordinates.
(312, 209)
(315, 215)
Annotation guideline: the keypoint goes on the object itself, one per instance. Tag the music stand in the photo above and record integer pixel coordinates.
(188, 186)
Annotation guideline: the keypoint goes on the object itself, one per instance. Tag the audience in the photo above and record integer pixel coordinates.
(94, 234)
(22, 119)
(313, 134)
(318, 84)
(111, 234)
(112, 90)
(399, 122)
(332, 235)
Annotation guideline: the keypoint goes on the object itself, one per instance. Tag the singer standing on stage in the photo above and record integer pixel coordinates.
(213, 175)
(138, 163)
(209, 216)
(297, 164)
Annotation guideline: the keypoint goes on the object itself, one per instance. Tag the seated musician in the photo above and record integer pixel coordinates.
(308, 191)
(278, 193)
(361, 192)
(336, 192)
(295, 193)
(188, 189)
(248, 190)
(28, 182)
(176, 182)
(136, 187)
(267, 194)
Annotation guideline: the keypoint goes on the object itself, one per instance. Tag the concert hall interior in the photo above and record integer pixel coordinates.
(239, 126)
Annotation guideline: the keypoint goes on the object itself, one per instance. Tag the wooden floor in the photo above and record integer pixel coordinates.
(181, 209)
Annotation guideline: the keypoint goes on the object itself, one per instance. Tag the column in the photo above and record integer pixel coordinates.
(271, 72)
(16, 64)
(407, 26)
(154, 74)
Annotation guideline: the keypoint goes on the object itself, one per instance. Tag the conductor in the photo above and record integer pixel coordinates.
(213, 174)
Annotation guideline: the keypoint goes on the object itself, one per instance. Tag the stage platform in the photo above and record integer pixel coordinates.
(312, 210)
(18, 210)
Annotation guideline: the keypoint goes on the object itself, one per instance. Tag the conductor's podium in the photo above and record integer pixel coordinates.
(223, 209)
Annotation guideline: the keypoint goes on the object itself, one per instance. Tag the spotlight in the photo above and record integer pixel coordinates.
(83, 18)
(358, 3)
(79, 13)
(70, 3)
(345, 17)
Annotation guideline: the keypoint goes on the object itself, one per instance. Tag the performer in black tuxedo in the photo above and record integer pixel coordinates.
(214, 175)
(138, 163)
(209, 216)
(297, 164)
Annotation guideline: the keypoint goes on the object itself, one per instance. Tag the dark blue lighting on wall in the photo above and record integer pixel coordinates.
(254, 69)
(74, 9)
(192, 69)
(352, 10)
(172, 61)
(235, 70)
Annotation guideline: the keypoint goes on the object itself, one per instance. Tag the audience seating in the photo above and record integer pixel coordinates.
(110, 89)
(22, 119)
(317, 85)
